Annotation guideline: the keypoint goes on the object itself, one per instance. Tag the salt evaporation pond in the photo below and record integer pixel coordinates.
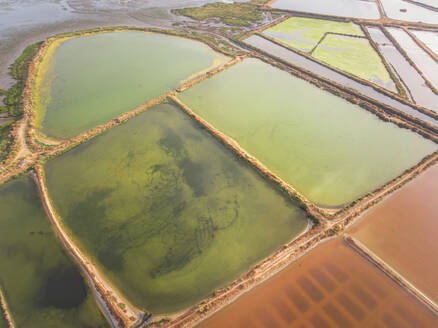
(167, 212)
(332, 287)
(327, 148)
(43, 288)
(89, 80)
(348, 8)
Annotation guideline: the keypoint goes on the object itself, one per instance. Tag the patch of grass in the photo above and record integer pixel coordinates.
(18, 70)
(4, 142)
(355, 56)
(240, 14)
(304, 33)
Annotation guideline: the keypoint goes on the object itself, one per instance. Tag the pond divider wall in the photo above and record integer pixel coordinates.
(421, 44)
(5, 310)
(399, 97)
(409, 60)
(313, 211)
(394, 77)
(107, 292)
(390, 272)
(383, 111)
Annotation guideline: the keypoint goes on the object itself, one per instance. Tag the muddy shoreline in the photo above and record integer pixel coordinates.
(330, 225)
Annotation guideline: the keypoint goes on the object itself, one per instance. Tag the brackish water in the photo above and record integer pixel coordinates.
(416, 85)
(327, 148)
(87, 81)
(402, 232)
(167, 212)
(42, 286)
(332, 287)
(349, 8)
(323, 71)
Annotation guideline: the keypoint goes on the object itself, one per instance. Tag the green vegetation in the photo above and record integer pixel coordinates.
(328, 149)
(356, 56)
(4, 142)
(304, 33)
(238, 13)
(89, 80)
(18, 71)
(42, 286)
(166, 210)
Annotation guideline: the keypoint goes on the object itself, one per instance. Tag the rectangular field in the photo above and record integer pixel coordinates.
(317, 142)
(330, 287)
(402, 232)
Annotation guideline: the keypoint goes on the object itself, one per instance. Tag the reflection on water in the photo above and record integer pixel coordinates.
(330, 287)
(402, 231)
(348, 8)
(42, 286)
(168, 212)
(416, 85)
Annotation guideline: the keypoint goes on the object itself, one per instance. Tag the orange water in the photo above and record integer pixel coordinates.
(331, 287)
(403, 231)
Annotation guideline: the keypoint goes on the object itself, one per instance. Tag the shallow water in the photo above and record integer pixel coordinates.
(92, 79)
(42, 286)
(355, 56)
(319, 143)
(305, 33)
(402, 232)
(3, 322)
(167, 212)
(330, 287)
(418, 89)
(348, 8)
(424, 62)
(321, 70)
(430, 39)
(411, 12)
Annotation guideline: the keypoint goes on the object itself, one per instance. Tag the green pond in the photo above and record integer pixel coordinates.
(167, 212)
(327, 148)
(3, 322)
(43, 288)
(87, 81)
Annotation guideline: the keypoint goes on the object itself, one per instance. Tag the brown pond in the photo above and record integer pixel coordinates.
(331, 287)
(403, 232)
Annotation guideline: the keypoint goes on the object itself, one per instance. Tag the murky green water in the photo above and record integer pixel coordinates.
(42, 286)
(92, 79)
(166, 210)
(3, 322)
(327, 148)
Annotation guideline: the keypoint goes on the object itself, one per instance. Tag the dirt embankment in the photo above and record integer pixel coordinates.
(108, 293)
(390, 272)
(5, 310)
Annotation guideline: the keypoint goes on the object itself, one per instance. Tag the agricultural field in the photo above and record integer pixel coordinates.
(247, 163)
